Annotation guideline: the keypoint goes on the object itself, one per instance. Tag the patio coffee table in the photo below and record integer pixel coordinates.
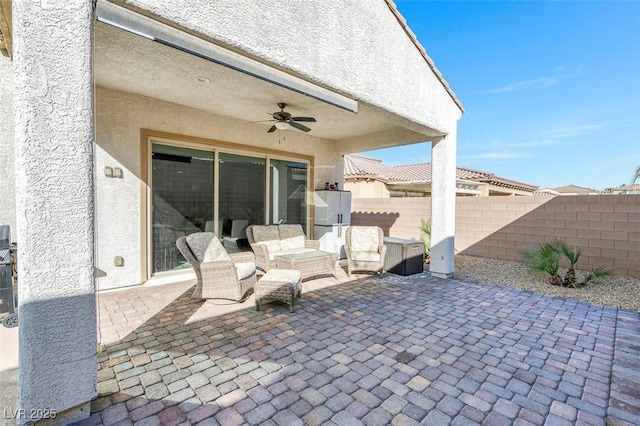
(310, 264)
(281, 285)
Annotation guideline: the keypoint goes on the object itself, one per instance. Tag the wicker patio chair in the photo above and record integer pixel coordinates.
(219, 275)
(269, 246)
(365, 249)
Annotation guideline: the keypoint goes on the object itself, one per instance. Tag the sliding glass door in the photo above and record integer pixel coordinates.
(191, 192)
(242, 197)
(288, 188)
(182, 188)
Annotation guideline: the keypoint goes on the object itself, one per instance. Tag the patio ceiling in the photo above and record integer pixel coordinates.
(131, 63)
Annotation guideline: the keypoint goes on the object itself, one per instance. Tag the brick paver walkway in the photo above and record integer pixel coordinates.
(380, 350)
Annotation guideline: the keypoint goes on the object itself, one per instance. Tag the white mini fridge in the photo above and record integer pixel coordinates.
(332, 218)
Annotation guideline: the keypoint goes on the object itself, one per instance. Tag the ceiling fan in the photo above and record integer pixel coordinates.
(283, 120)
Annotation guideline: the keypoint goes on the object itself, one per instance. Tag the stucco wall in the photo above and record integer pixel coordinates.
(605, 227)
(334, 43)
(367, 189)
(54, 133)
(119, 118)
(7, 148)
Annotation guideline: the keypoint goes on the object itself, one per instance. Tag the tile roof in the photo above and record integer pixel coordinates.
(575, 189)
(632, 187)
(356, 165)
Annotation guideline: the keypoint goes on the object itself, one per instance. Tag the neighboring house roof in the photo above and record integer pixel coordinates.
(423, 52)
(632, 187)
(575, 189)
(546, 191)
(356, 165)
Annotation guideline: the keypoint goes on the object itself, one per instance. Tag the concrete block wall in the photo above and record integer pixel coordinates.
(398, 217)
(605, 227)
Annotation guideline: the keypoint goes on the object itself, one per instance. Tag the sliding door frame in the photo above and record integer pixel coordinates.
(148, 137)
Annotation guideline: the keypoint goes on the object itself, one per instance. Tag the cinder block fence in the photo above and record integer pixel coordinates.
(605, 227)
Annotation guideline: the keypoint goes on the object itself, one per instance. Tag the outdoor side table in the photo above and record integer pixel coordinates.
(280, 285)
(404, 257)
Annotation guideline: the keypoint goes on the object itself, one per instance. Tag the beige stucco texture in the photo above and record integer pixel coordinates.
(353, 48)
(356, 48)
(120, 117)
(7, 148)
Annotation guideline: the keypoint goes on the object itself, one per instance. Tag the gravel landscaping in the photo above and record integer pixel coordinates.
(614, 290)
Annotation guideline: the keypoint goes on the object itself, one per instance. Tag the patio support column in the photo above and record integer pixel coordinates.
(443, 205)
(53, 94)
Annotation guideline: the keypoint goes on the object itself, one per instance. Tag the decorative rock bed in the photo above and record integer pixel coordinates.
(614, 290)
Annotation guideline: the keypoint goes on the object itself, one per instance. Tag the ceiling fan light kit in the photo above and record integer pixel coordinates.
(283, 120)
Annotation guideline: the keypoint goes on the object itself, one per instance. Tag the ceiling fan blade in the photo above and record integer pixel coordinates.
(271, 129)
(261, 121)
(307, 119)
(299, 126)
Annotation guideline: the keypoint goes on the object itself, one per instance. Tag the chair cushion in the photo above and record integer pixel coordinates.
(215, 252)
(267, 235)
(364, 238)
(199, 242)
(291, 236)
(365, 256)
(245, 269)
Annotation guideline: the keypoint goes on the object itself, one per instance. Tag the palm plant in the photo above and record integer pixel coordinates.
(545, 258)
(596, 273)
(571, 255)
(425, 236)
(636, 176)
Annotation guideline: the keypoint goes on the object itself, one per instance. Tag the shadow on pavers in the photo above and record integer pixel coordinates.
(8, 396)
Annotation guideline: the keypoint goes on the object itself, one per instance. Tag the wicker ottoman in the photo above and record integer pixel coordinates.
(281, 285)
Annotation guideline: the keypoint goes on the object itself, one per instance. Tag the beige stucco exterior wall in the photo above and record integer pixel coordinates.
(119, 118)
(54, 135)
(605, 227)
(367, 189)
(365, 32)
(343, 41)
(7, 148)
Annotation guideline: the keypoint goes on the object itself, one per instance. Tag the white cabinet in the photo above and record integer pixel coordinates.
(332, 218)
(331, 238)
(332, 207)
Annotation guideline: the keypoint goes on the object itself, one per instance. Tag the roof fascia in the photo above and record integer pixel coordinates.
(423, 52)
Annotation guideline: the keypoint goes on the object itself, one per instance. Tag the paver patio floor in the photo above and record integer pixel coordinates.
(374, 351)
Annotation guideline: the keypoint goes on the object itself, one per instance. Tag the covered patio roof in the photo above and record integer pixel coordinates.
(133, 63)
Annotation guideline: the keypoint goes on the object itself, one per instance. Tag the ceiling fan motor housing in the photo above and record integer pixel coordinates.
(284, 117)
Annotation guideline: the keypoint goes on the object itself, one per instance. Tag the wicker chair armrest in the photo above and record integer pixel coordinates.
(260, 250)
(383, 252)
(218, 269)
(243, 257)
(262, 254)
(182, 245)
(313, 244)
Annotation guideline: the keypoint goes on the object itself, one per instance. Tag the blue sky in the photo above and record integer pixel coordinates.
(551, 89)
